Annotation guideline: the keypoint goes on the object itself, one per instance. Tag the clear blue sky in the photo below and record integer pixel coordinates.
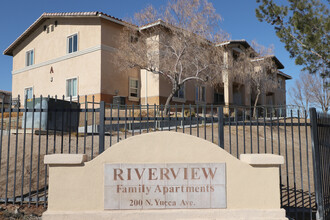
(238, 20)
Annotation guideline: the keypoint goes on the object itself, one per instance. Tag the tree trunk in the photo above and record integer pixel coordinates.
(167, 104)
(255, 103)
(325, 109)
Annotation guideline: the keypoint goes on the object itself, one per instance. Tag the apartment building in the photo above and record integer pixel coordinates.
(73, 54)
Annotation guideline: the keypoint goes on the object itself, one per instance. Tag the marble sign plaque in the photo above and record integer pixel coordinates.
(165, 186)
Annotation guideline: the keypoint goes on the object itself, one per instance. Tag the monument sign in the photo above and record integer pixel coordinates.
(164, 175)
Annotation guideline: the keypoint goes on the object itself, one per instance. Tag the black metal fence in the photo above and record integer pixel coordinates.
(281, 131)
(321, 157)
(30, 132)
(42, 126)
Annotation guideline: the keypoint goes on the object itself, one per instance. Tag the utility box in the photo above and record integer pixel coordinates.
(119, 100)
(56, 115)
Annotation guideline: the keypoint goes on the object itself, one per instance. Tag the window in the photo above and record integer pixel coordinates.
(200, 94)
(71, 87)
(235, 54)
(280, 85)
(28, 93)
(180, 93)
(29, 57)
(72, 43)
(133, 88)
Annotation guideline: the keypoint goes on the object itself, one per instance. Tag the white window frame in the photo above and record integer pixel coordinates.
(179, 99)
(67, 43)
(25, 89)
(132, 98)
(67, 96)
(27, 61)
(199, 89)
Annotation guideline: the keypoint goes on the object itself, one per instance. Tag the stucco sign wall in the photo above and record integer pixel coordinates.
(164, 186)
(164, 175)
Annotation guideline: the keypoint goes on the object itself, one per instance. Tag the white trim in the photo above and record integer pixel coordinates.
(73, 97)
(28, 87)
(108, 48)
(66, 57)
(132, 98)
(32, 58)
(151, 25)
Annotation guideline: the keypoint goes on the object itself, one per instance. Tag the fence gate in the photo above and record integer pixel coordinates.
(320, 124)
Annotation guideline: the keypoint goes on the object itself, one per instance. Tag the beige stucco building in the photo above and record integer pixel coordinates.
(72, 54)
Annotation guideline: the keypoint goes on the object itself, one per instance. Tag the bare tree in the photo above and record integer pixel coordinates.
(176, 42)
(299, 94)
(255, 67)
(311, 89)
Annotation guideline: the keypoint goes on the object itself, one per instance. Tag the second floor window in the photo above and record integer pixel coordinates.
(29, 57)
(280, 83)
(71, 87)
(72, 43)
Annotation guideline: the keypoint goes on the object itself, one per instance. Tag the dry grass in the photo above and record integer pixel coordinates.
(13, 114)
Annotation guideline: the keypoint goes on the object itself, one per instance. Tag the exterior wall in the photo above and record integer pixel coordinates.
(190, 96)
(150, 82)
(110, 33)
(53, 45)
(50, 51)
(82, 67)
(114, 79)
(280, 92)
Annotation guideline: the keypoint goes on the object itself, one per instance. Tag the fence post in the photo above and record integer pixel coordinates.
(316, 165)
(220, 128)
(101, 127)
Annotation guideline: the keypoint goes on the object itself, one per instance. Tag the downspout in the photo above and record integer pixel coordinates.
(146, 90)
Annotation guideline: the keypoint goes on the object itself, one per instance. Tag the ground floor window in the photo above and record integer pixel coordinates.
(133, 88)
(180, 93)
(28, 93)
(200, 94)
(71, 87)
(219, 99)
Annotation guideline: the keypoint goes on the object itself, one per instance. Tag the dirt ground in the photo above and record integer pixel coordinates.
(21, 212)
(22, 161)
